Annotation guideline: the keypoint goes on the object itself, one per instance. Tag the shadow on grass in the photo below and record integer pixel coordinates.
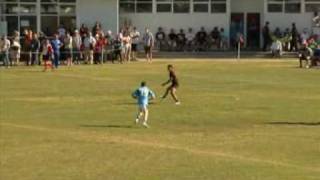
(108, 126)
(295, 123)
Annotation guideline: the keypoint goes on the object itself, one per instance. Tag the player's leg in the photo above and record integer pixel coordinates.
(146, 116)
(166, 93)
(173, 92)
(139, 115)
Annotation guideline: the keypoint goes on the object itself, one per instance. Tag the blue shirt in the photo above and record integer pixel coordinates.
(143, 94)
(56, 44)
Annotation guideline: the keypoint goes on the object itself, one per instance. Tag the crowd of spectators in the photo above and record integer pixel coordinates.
(189, 40)
(94, 46)
(83, 45)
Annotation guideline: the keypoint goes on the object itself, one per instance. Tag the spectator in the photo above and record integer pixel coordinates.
(96, 29)
(76, 45)
(35, 48)
(172, 41)
(304, 36)
(56, 45)
(62, 31)
(109, 45)
(89, 44)
(277, 33)
(202, 40)
(4, 51)
(26, 46)
(288, 37)
(190, 39)
(295, 38)
(161, 39)
(148, 40)
(135, 36)
(68, 49)
(305, 54)
(215, 36)
(127, 46)
(118, 48)
(181, 40)
(224, 39)
(84, 31)
(98, 49)
(266, 36)
(15, 49)
(276, 48)
(47, 53)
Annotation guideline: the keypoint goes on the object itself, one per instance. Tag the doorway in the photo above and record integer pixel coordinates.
(253, 30)
(236, 28)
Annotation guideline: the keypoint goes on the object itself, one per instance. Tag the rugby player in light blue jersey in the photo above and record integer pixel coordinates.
(143, 95)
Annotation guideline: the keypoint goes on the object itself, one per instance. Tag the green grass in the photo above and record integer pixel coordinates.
(247, 120)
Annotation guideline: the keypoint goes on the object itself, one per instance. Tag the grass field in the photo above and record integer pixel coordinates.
(247, 120)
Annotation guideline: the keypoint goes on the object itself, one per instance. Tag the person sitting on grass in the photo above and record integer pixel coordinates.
(143, 94)
(305, 54)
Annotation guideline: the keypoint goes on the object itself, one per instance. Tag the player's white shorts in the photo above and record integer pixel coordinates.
(143, 107)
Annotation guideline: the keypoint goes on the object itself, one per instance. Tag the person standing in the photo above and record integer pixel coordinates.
(143, 94)
(127, 46)
(76, 45)
(47, 53)
(56, 45)
(4, 50)
(148, 40)
(266, 36)
(295, 38)
(172, 89)
(35, 47)
(135, 36)
(68, 49)
(89, 44)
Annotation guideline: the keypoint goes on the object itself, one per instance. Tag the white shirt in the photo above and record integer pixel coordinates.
(189, 36)
(4, 45)
(89, 40)
(277, 45)
(62, 32)
(135, 37)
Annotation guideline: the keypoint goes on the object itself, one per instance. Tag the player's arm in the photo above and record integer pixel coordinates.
(135, 94)
(152, 95)
(167, 82)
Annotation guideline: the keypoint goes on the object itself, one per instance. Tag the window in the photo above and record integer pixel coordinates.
(181, 6)
(201, 6)
(218, 6)
(164, 6)
(287, 6)
(57, 12)
(292, 6)
(136, 6)
(312, 5)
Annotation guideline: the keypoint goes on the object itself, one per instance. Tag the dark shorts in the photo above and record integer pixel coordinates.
(134, 47)
(174, 86)
(68, 53)
(46, 57)
(147, 49)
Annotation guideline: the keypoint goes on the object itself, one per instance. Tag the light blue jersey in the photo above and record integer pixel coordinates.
(142, 95)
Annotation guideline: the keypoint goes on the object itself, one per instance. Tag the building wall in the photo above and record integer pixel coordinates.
(176, 21)
(282, 20)
(247, 6)
(104, 11)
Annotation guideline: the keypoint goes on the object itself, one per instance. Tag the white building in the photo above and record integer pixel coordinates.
(246, 16)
